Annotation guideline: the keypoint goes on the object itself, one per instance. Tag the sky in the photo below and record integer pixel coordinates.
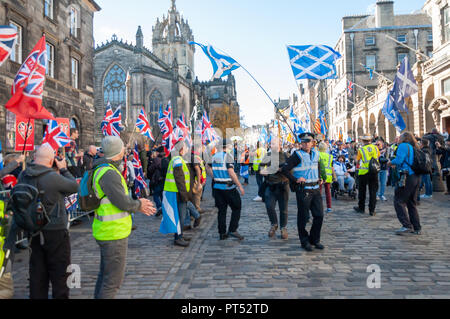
(253, 32)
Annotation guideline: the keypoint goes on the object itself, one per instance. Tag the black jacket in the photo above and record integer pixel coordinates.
(445, 156)
(56, 187)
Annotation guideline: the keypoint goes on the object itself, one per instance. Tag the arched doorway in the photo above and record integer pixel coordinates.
(360, 128)
(428, 117)
(372, 125)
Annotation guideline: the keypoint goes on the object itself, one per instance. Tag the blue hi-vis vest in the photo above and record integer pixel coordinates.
(308, 168)
(220, 172)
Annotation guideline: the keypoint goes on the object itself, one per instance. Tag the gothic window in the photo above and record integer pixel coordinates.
(156, 101)
(114, 88)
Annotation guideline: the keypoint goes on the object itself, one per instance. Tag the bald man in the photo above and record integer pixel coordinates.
(50, 250)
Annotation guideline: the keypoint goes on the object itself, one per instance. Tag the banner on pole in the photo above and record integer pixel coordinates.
(64, 124)
(21, 135)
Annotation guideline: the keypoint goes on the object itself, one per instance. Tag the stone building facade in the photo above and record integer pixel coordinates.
(69, 89)
(156, 76)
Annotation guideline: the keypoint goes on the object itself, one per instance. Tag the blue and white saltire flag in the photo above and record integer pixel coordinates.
(298, 129)
(222, 64)
(263, 137)
(370, 72)
(170, 223)
(390, 111)
(405, 84)
(313, 61)
(244, 171)
(323, 123)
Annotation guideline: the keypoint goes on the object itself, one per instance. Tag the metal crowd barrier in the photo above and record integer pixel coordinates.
(72, 208)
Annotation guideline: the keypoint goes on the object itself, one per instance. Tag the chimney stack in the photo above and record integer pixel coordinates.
(384, 13)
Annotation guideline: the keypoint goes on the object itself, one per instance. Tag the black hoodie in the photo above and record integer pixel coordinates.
(56, 187)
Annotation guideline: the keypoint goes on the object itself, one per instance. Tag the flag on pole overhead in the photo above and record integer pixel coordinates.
(166, 126)
(139, 182)
(209, 134)
(350, 88)
(222, 64)
(116, 122)
(405, 85)
(313, 61)
(263, 137)
(28, 86)
(54, 136)
(8, 37)
(317, 126)
(144, 126)
(391, 112)
(181, 131)
(370, 72)
(106, 125)
(323, 123)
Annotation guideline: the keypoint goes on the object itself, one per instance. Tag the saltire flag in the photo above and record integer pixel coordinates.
(317, 126)
(323, 123)
(293, 117)
(8, 37)
(170, 223)
(222, 64)
(54, 136)
(263, 137)
(391, 112)
(298, 129)
(405, 84)
(182, 131)
(116, 122)
(209, 135)
(244, 171)
(139, 182)
(370, 72)
(1, 156)
(144, 126)
(313, 61)
(28, 86)
(166, 126)
(350, 88)
(106, 125)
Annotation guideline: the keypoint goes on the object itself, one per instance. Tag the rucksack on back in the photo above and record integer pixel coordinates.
(25, 201)
(422, 164)
(87, 198)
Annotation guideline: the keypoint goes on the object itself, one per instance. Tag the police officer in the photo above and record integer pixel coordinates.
(365, 154)
(305, 181)
(225, 192)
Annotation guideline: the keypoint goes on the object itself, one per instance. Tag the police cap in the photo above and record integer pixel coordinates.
(306, 137)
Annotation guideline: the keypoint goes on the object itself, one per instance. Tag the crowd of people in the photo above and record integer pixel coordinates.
(304, 168)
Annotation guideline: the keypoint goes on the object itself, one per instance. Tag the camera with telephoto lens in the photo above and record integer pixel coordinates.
(403, 175)
(57, 158)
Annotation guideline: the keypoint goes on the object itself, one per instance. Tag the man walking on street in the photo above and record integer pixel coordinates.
(365, 154)
(112, 222)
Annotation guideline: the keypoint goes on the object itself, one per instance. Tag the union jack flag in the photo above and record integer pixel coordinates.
(8, 37)
(182, 131)
(105, 125)
(54, 136)
(209, 135)
(350, 88)
(165, 123)
(28, 86)
(144, 126)
(139, 183)
(116, 122)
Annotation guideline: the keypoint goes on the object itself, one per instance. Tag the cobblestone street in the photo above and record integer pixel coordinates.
(258, 267)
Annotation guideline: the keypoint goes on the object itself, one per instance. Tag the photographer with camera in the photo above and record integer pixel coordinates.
(405, 196)
(444, 152)
(50, 249)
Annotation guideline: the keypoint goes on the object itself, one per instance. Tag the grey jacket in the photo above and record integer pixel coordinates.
(111, 185)
(56, 187)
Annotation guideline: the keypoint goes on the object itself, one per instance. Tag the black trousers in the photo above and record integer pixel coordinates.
(405, 203)
(372, 182)
(309, 201)
(225, 198)
(48, 263)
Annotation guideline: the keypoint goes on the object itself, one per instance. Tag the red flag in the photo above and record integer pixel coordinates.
(28, 87)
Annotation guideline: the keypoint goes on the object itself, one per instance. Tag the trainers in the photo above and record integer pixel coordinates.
(383, 198)
(273, 231)
(329, 210)
(181, 242)
(359, 211)
(403, 231)
(284, 234)
(426, 196)
(257, 199)
(236, 235)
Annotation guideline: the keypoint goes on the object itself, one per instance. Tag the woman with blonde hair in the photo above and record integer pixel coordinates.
(405, 198)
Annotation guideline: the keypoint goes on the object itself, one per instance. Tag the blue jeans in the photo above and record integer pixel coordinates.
(191, 211)
(259, 180)
(382, 175)
(342, 180)
(158, 195)
(426, 180)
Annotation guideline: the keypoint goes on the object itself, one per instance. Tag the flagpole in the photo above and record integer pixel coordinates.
(363, 88)
(380, 75)
(267, 94)
(404, 45)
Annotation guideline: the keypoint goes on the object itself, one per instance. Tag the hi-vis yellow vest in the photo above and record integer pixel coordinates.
(2, 234)
(367, 153)
(258, 159)
(202, 167)
(170, 185)
(110, 223)
(326, 162)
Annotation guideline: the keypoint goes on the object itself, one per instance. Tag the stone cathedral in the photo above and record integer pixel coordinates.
(134, 77)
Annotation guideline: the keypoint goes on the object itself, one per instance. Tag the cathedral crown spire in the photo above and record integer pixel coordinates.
(174, 7)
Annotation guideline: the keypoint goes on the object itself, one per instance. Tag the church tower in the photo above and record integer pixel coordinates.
(171, 38)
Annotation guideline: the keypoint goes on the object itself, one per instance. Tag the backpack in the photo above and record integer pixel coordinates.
(422, 164)
(29, 211)
(87, 198)
(374, 166)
